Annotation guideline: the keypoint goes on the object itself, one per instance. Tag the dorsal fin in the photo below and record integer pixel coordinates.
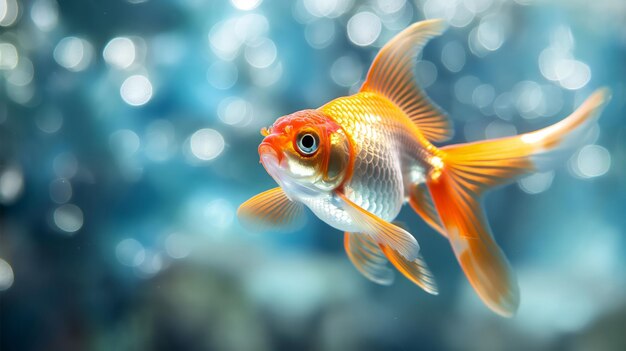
(391, 75)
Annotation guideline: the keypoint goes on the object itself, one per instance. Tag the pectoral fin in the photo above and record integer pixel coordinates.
(271, 209)
(368, 258)
(382, 232)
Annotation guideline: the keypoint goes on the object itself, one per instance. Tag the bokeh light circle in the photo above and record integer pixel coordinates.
(364, 28)
(60, 190)
(74, 54)
(120, 52)
(245, 5)
(261, 54)
(136, 90)
(9, 57)
(222, 74)
(124, 142)
(178, 245)
(346, 70)
(206, 144)
(234, 111)
(68, 218)
(536, 183)
(593, 161)
(11, 185)
(9, 11)
(130, 252)
(6, 275)
(45, 14)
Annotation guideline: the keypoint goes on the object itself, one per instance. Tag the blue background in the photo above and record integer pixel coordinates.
(122, 163)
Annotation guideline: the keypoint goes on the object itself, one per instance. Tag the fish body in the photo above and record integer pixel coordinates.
(355, 161)
(390, 155)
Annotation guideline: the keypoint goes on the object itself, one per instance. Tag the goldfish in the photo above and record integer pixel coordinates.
(357, 160)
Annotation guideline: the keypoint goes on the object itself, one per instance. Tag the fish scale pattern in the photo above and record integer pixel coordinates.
(378, 130)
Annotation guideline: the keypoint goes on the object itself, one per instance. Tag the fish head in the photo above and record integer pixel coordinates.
(307, 153)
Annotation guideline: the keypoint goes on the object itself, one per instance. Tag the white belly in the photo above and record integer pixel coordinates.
(326, 209)
(382, 197)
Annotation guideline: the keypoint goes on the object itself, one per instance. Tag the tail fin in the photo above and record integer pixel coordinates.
(462, 173)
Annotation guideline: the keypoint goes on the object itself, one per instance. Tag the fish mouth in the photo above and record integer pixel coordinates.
(276, 166)
(271, 160)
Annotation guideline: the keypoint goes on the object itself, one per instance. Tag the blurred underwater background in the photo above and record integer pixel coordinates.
(129, 133)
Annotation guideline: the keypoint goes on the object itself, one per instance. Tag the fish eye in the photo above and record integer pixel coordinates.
(307, 143)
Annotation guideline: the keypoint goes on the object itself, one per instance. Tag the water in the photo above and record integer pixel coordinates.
(128, 135)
